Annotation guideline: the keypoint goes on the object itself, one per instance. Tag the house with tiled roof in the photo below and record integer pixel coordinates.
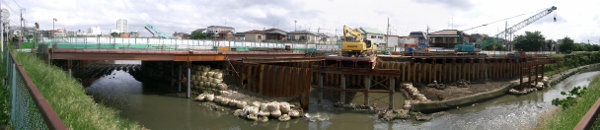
(255, 35)
(302, 36)
(275, 34)
(446, 38)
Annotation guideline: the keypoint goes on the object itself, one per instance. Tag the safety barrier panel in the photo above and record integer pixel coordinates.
(109, 43)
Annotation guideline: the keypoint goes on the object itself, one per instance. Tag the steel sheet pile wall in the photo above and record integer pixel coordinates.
(274, 81)
(452, 70)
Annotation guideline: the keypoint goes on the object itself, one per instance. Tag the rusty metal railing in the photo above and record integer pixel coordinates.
(29, 109)
(589, 118)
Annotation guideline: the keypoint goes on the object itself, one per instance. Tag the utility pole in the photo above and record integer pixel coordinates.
(22, 29)
(1, 31)
(387, 40)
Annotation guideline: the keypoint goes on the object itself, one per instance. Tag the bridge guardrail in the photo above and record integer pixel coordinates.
(29, 109)
(158, 44)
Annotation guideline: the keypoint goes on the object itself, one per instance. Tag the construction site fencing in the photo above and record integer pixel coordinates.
(110, 43)
(28, 109)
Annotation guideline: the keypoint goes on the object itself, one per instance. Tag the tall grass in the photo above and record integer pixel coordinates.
(572, 61)
(568, 118)
(68, 99)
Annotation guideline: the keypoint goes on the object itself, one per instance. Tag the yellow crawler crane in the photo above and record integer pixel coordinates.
(357, 47)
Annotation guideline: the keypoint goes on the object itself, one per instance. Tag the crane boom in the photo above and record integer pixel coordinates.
(152, 29)
(526, 22)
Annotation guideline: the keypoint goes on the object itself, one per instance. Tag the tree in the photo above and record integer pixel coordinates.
(197, 35)
(596, 47)
(498, 47)
(567, 45)
(115, 34)
(29, 37)
(531, 41)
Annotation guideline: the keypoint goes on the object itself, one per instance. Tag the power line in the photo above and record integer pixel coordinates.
(9, 7)
(17, 4)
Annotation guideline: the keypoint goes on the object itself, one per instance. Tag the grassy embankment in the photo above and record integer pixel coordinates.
(568, 118)
(563, 119)
(67, 97)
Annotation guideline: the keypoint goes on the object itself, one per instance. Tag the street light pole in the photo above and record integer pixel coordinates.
(53, 20)
(295, 25)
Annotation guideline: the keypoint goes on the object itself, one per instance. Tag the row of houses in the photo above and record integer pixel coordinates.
(265, 35)
(446, 38)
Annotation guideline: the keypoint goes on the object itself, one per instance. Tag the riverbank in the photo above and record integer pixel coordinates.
(559, 118)
(68, 99)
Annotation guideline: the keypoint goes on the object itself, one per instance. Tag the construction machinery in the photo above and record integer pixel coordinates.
(357, 45)
(473, 47)
(415, 48)
(154, 31)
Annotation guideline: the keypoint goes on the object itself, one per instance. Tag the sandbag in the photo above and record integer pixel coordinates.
(253, 117)
(217, 99)
(222, 86)
(276, 114)
(256, 103)
(225, 101)
(284, 107)
(210, 74)
(263, 106)
(241, 104)
(201, 97)
(210, 97)
(263, 113)
(294, 113)
(273, 106)
(233, 102)
(216, 81)
(218, 75)
(284, 117)
(206, 68)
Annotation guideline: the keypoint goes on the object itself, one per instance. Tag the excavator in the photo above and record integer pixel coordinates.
(356, 46)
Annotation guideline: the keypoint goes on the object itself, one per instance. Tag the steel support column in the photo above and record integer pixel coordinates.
(392, 89)
(189, 73)
(343, 86)
(320, 88)
(179, 78)
(367, 88)
(70, 66)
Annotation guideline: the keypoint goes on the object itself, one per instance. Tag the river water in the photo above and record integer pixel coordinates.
(156, 109)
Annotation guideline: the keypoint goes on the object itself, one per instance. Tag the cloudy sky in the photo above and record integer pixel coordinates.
(578, 19)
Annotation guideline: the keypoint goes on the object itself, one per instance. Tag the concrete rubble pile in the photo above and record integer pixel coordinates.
(531, 88)
(257, 111)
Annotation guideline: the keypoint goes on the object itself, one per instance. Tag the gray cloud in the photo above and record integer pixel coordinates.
(463, 5)
(170, 16)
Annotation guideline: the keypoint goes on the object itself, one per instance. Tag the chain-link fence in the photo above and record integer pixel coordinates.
(29, 110)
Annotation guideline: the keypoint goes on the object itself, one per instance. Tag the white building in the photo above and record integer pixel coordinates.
(375, 36)
(94, 31)
(213, 30)
(122, 26)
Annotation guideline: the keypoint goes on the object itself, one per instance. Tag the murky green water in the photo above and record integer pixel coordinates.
(158, 110)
